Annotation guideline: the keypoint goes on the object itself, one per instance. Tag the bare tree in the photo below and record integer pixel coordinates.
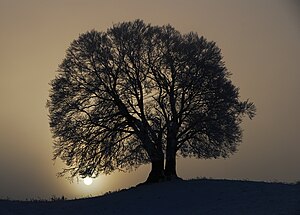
(138, 94)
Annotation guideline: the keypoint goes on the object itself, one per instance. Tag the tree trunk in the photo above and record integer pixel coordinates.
(157, 171)
(170, 168)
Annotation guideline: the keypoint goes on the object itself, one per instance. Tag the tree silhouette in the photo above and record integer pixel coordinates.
(138, 94)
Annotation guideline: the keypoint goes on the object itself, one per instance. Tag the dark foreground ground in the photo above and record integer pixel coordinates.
(203, 196)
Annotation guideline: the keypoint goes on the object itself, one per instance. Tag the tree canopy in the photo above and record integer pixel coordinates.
(139, 94)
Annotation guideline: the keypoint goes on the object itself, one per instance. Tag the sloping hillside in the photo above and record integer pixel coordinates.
(201, 196)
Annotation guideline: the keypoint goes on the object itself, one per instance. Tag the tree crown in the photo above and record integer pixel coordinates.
(121, 96)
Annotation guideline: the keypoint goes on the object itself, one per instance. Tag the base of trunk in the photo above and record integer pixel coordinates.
(157, 172)
(170, 168)
(171, 177)
(161, 180)
(156, 176)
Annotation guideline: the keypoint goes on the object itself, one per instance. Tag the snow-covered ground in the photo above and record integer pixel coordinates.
(203, 196)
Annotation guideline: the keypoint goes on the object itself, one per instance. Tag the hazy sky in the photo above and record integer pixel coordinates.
(260, 41)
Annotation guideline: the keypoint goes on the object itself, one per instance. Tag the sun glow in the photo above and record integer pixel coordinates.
(87, 181)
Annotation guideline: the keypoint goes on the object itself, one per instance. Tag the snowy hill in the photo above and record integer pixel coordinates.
(201, 196)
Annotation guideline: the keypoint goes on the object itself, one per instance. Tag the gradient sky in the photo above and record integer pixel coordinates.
(260, 42)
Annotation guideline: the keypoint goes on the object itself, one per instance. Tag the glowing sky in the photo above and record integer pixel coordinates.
(260, 41)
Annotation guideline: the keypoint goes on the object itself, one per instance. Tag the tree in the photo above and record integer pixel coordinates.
(140, 94)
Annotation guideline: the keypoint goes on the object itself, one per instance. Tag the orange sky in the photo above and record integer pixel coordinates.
(260, 43)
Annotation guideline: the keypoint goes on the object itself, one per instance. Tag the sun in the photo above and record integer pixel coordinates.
(87, 181)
